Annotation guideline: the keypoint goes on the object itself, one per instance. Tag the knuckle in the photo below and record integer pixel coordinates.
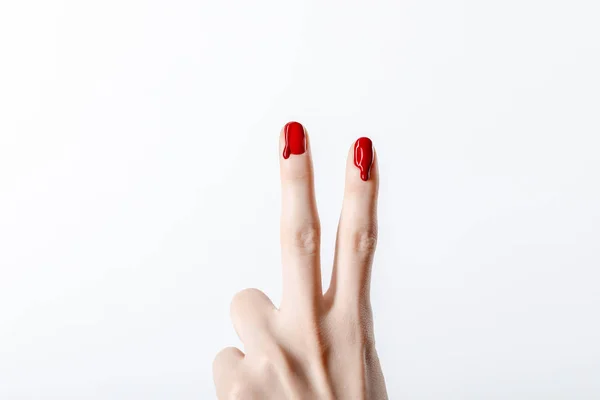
(365, 239)
(247, 298)
(227, 356)
(307, 239)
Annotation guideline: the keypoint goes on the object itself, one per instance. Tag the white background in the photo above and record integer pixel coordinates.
(139, 186)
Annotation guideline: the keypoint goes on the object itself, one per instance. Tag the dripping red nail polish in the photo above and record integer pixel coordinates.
(363, 157)
(295, 140)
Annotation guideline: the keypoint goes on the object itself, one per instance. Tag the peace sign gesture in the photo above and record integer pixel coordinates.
(316, 345)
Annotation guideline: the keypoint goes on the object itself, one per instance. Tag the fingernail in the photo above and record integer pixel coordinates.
(295, 140)
(363, 157)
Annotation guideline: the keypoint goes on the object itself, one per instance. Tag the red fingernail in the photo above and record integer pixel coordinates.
(295, 140)
(363, 157)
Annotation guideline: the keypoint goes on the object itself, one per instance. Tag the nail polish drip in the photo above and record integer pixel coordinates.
(295, 140)
(363, 157)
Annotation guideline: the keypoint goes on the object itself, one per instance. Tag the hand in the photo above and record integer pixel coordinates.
(315, 346)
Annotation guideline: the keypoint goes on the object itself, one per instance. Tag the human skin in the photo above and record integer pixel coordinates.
(315, 345)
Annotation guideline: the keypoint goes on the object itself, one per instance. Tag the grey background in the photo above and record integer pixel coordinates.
(139, 187)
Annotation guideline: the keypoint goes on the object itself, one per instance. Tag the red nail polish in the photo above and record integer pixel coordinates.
(363, 157)
(295, 140)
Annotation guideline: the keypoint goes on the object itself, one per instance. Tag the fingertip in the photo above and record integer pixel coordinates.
(294, 153)
(363, 157)
(362, 171)
(293, 140)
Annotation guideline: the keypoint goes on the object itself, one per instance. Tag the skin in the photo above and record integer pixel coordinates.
(315, 346)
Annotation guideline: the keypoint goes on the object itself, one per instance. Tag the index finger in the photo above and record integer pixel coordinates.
(300, 226)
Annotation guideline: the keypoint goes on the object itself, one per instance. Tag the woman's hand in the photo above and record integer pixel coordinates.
(315, 346)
